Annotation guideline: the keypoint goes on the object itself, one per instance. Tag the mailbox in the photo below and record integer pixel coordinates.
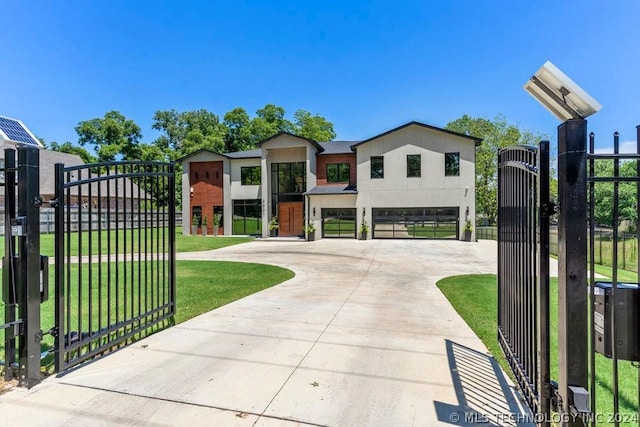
(626, 319)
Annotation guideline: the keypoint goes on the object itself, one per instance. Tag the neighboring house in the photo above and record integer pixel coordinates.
(123, 192)
(414, 181)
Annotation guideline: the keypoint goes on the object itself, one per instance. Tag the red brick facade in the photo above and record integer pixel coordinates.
(206, 180)
(323, 160)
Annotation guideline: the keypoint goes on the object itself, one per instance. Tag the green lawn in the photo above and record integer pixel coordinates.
(475, 298)
(201, 286)
(132, 241)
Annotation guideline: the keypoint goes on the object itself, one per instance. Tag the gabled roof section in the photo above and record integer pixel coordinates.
(337, 147)
(310, 141)
(477, 141)
(202, 150)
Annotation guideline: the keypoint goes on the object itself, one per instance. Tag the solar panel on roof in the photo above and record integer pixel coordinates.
(16, 131)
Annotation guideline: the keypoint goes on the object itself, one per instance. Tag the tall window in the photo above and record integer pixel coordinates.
(196, 215)
(413, 165)
(250, 175)
(377, 167)
(452, 164)
(338, 172)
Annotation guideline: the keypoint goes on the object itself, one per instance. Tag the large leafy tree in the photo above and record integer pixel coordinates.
(313, 127)
(496, 134)
(269, 121)
(113, 136)
(188, 131)
(238, 136)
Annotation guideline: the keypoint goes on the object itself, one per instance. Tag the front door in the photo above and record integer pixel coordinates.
(290, 218)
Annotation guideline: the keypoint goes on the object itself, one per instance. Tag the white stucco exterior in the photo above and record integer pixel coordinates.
(432, 189)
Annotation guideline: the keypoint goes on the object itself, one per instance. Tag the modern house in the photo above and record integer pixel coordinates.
(414, 181)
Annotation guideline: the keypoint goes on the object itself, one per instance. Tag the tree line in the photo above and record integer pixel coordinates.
(115, 137)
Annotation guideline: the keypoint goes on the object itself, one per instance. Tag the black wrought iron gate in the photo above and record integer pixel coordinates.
(598, 305)
(523, 268)
(114, 259)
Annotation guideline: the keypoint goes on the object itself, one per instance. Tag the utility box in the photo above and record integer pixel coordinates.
(626, 314)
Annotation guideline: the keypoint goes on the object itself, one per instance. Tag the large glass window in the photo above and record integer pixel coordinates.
(250, 175)
(247, 217)
(377, 167)
(413, 165)
(452, 164)
(338, 172)
(339, 222)
(288, 182)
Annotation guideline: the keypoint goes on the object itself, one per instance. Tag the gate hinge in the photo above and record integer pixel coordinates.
(53, 202)
(548, 208)
(37, 201)
(39, 335)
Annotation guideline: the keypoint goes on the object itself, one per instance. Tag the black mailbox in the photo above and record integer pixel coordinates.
(626, 315)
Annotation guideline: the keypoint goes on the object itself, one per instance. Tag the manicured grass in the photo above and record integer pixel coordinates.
(132, 242)
(475, 298)
(199, 243)
(201, 286)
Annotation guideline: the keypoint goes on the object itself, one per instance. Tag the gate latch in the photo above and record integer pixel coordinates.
(17, 226)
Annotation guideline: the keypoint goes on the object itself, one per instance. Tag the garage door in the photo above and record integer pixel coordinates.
(415, 223)
(339, 223)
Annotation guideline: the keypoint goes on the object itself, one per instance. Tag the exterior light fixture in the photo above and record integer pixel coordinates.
(191, 191)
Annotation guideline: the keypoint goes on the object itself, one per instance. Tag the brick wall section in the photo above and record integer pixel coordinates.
(323, 159)
(207, 190)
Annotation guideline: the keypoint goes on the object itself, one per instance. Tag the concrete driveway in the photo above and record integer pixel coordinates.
(360, 337)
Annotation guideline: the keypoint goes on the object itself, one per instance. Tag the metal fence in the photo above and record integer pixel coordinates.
(81, 219)
(597, 340)
(115, 277)
(614, 378)
(523, 265)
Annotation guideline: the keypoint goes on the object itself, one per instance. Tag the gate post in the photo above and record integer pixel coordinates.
(29, 202)
(572, 266)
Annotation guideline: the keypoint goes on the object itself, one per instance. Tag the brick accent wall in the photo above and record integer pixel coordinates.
(323, 160)
(206, 179)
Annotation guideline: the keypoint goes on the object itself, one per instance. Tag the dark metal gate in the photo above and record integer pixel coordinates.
(523, 269)
(598, 306)
(114, 260)
(114, 256)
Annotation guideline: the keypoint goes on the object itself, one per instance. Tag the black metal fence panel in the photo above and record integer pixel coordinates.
(614, 377)
(523, 269)
(114, 279)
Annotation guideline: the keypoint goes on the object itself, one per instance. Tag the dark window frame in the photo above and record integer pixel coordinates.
(340, 171)
(248, 178)
(452, 164)
(375, 174)
(414, 173)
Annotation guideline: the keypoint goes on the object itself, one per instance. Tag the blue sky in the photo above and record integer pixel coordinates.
(365, 66)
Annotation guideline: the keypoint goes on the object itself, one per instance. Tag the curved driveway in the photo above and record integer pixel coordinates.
(359, 337)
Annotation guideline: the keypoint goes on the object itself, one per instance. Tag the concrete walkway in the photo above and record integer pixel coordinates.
(360, 337)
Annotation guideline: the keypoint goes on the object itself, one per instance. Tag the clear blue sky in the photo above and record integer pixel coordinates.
(365, 66)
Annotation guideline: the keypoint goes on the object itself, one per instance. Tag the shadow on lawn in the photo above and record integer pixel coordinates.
(484, 395)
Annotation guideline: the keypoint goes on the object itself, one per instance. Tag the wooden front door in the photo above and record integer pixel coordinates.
(290, 218)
